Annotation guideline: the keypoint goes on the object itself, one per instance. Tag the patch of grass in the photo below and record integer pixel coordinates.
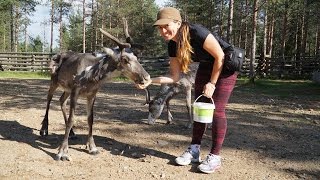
(24, 75)
(281, 88)
(37, 75)
(120, 78)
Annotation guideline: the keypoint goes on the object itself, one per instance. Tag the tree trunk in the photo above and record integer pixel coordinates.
(60, 27)
(211, 14)
(103, 24)
(246, 32)
(265, 30)
(305, 29)
(318, 39)
(51, 25)
(94, 23)
(270, 36)
(4, 43)
(262, 60)
(221, 19)
(16, 28)
(84, 26)
(284, 30)
(230, 21)
(12, 28)
(253, 42)
(25, 39)
(299, 27)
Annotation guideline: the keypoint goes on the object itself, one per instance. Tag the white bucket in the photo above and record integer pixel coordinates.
(203, 112)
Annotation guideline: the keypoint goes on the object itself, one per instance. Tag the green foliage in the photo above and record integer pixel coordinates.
(24, 75)
(141, 15)
(36, 45)
(281, 88)
(4, 30)
(14, 13)
(66, 38)
(75, 32)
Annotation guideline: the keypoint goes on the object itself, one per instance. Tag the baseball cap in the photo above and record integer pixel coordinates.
(167, 15)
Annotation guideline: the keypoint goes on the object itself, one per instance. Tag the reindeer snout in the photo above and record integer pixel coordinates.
(147, 80)
(144, 80)
(151, 119)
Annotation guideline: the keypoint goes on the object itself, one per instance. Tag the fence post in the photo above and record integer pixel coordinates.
(32, 62)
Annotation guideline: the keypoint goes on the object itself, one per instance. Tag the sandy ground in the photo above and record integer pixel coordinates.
(268, 137)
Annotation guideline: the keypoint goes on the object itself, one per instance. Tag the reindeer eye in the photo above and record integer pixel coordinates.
(125, 59)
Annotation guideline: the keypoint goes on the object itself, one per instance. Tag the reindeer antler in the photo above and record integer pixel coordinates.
(120, 44)
(126, 31)
(137, 48)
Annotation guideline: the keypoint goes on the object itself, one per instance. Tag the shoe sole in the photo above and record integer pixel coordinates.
(192, 161)
(209, 172)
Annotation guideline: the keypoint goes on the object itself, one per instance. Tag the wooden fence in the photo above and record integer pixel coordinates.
(288, 67)
(276, 67)
(24, 61)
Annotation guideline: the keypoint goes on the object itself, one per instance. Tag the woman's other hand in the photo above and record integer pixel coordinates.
(209, 89)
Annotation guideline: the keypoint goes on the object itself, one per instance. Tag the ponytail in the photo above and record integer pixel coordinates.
(184, 48)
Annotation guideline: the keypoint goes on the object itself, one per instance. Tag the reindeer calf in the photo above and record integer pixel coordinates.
(167, 92)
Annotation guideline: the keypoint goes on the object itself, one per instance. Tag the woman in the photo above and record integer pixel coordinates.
(193, 43)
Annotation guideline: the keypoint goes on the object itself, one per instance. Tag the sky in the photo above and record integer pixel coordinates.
(40, 24)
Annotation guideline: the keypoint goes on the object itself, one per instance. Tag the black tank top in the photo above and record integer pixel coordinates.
(198, 35)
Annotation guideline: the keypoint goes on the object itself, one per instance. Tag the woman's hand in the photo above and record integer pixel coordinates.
(143, 86)
(140, 86)
(209, 89)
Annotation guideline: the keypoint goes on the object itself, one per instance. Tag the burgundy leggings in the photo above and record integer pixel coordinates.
(224, 87)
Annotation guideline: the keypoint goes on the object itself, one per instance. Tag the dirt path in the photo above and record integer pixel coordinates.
(268, 138)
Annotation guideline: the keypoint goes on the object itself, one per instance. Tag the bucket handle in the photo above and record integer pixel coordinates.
(205, 96)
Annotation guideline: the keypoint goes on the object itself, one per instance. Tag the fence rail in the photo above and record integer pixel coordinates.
(27, 61)
(279, 67)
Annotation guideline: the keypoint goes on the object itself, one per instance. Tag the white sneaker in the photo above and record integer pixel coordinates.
(210, 164)
(189, 156)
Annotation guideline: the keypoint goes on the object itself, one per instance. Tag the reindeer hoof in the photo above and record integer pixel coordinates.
(151, 121)
(92, 149)
(169, 122)
(95, 152)
(43, 132)
(58, 157)
(65, 158)
(189, 126)
(62, 157)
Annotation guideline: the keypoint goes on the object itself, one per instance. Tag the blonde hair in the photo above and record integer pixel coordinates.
(184, 48)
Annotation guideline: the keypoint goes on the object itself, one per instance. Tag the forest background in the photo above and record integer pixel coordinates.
(265, 28)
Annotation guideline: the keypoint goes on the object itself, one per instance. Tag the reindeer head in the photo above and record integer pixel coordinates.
(155, 109)
(157, 104)
(127, 61)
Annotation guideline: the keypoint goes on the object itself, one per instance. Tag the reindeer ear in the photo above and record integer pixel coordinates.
(56, 57)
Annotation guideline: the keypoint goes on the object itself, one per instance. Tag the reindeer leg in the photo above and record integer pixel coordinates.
(63, 103)
(170, 117)
(91, 146)
(188, 104)
(45, 121)
(63, 149)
